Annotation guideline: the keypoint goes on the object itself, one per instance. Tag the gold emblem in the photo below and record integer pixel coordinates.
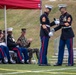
(65, 19)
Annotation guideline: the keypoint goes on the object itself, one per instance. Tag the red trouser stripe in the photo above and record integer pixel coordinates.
(16, 49)
(2, 52)
(42, 50)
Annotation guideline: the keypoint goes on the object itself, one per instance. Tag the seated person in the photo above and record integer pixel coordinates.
(23, 42)
(4, 51)
(22, 53)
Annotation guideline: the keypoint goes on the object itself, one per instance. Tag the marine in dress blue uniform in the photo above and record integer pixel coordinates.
(4, 51)
(66, 36)
(44, 31)
(12, 45)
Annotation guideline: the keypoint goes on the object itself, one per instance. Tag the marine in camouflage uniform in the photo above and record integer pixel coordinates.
(25, 43)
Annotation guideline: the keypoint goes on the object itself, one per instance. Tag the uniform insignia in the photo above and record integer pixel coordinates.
(69, 19)
(65, 19)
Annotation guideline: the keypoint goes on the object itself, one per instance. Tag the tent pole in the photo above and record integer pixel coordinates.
(41, 8)
(5, 24)
(41, 11)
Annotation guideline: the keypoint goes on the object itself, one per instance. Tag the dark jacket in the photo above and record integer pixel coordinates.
(10, 43)
(45, 32)
(66, 33)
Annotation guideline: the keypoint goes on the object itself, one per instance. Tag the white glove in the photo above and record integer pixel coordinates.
(57, 22)
(50, 33)
(52, 30)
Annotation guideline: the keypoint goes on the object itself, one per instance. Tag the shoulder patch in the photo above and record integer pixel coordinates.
(69, 19)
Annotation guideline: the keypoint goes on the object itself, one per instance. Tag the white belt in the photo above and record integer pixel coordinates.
(46, 25)
(66, 27)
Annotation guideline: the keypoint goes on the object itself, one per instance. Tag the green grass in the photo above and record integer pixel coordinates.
(23, 69)
(30, 20)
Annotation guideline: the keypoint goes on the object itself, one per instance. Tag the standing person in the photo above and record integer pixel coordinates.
(12, 45)
(44, 35)
(66, 36)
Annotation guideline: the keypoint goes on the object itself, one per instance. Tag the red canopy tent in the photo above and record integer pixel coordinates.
(18, 4)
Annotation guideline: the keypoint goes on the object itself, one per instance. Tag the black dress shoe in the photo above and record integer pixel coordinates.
(57, 65)
(70, 65)
(44, 65)
(27, 63)
(48, 65)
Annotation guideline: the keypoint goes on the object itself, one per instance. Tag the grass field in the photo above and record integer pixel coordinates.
(23, 69)
(30, 20)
